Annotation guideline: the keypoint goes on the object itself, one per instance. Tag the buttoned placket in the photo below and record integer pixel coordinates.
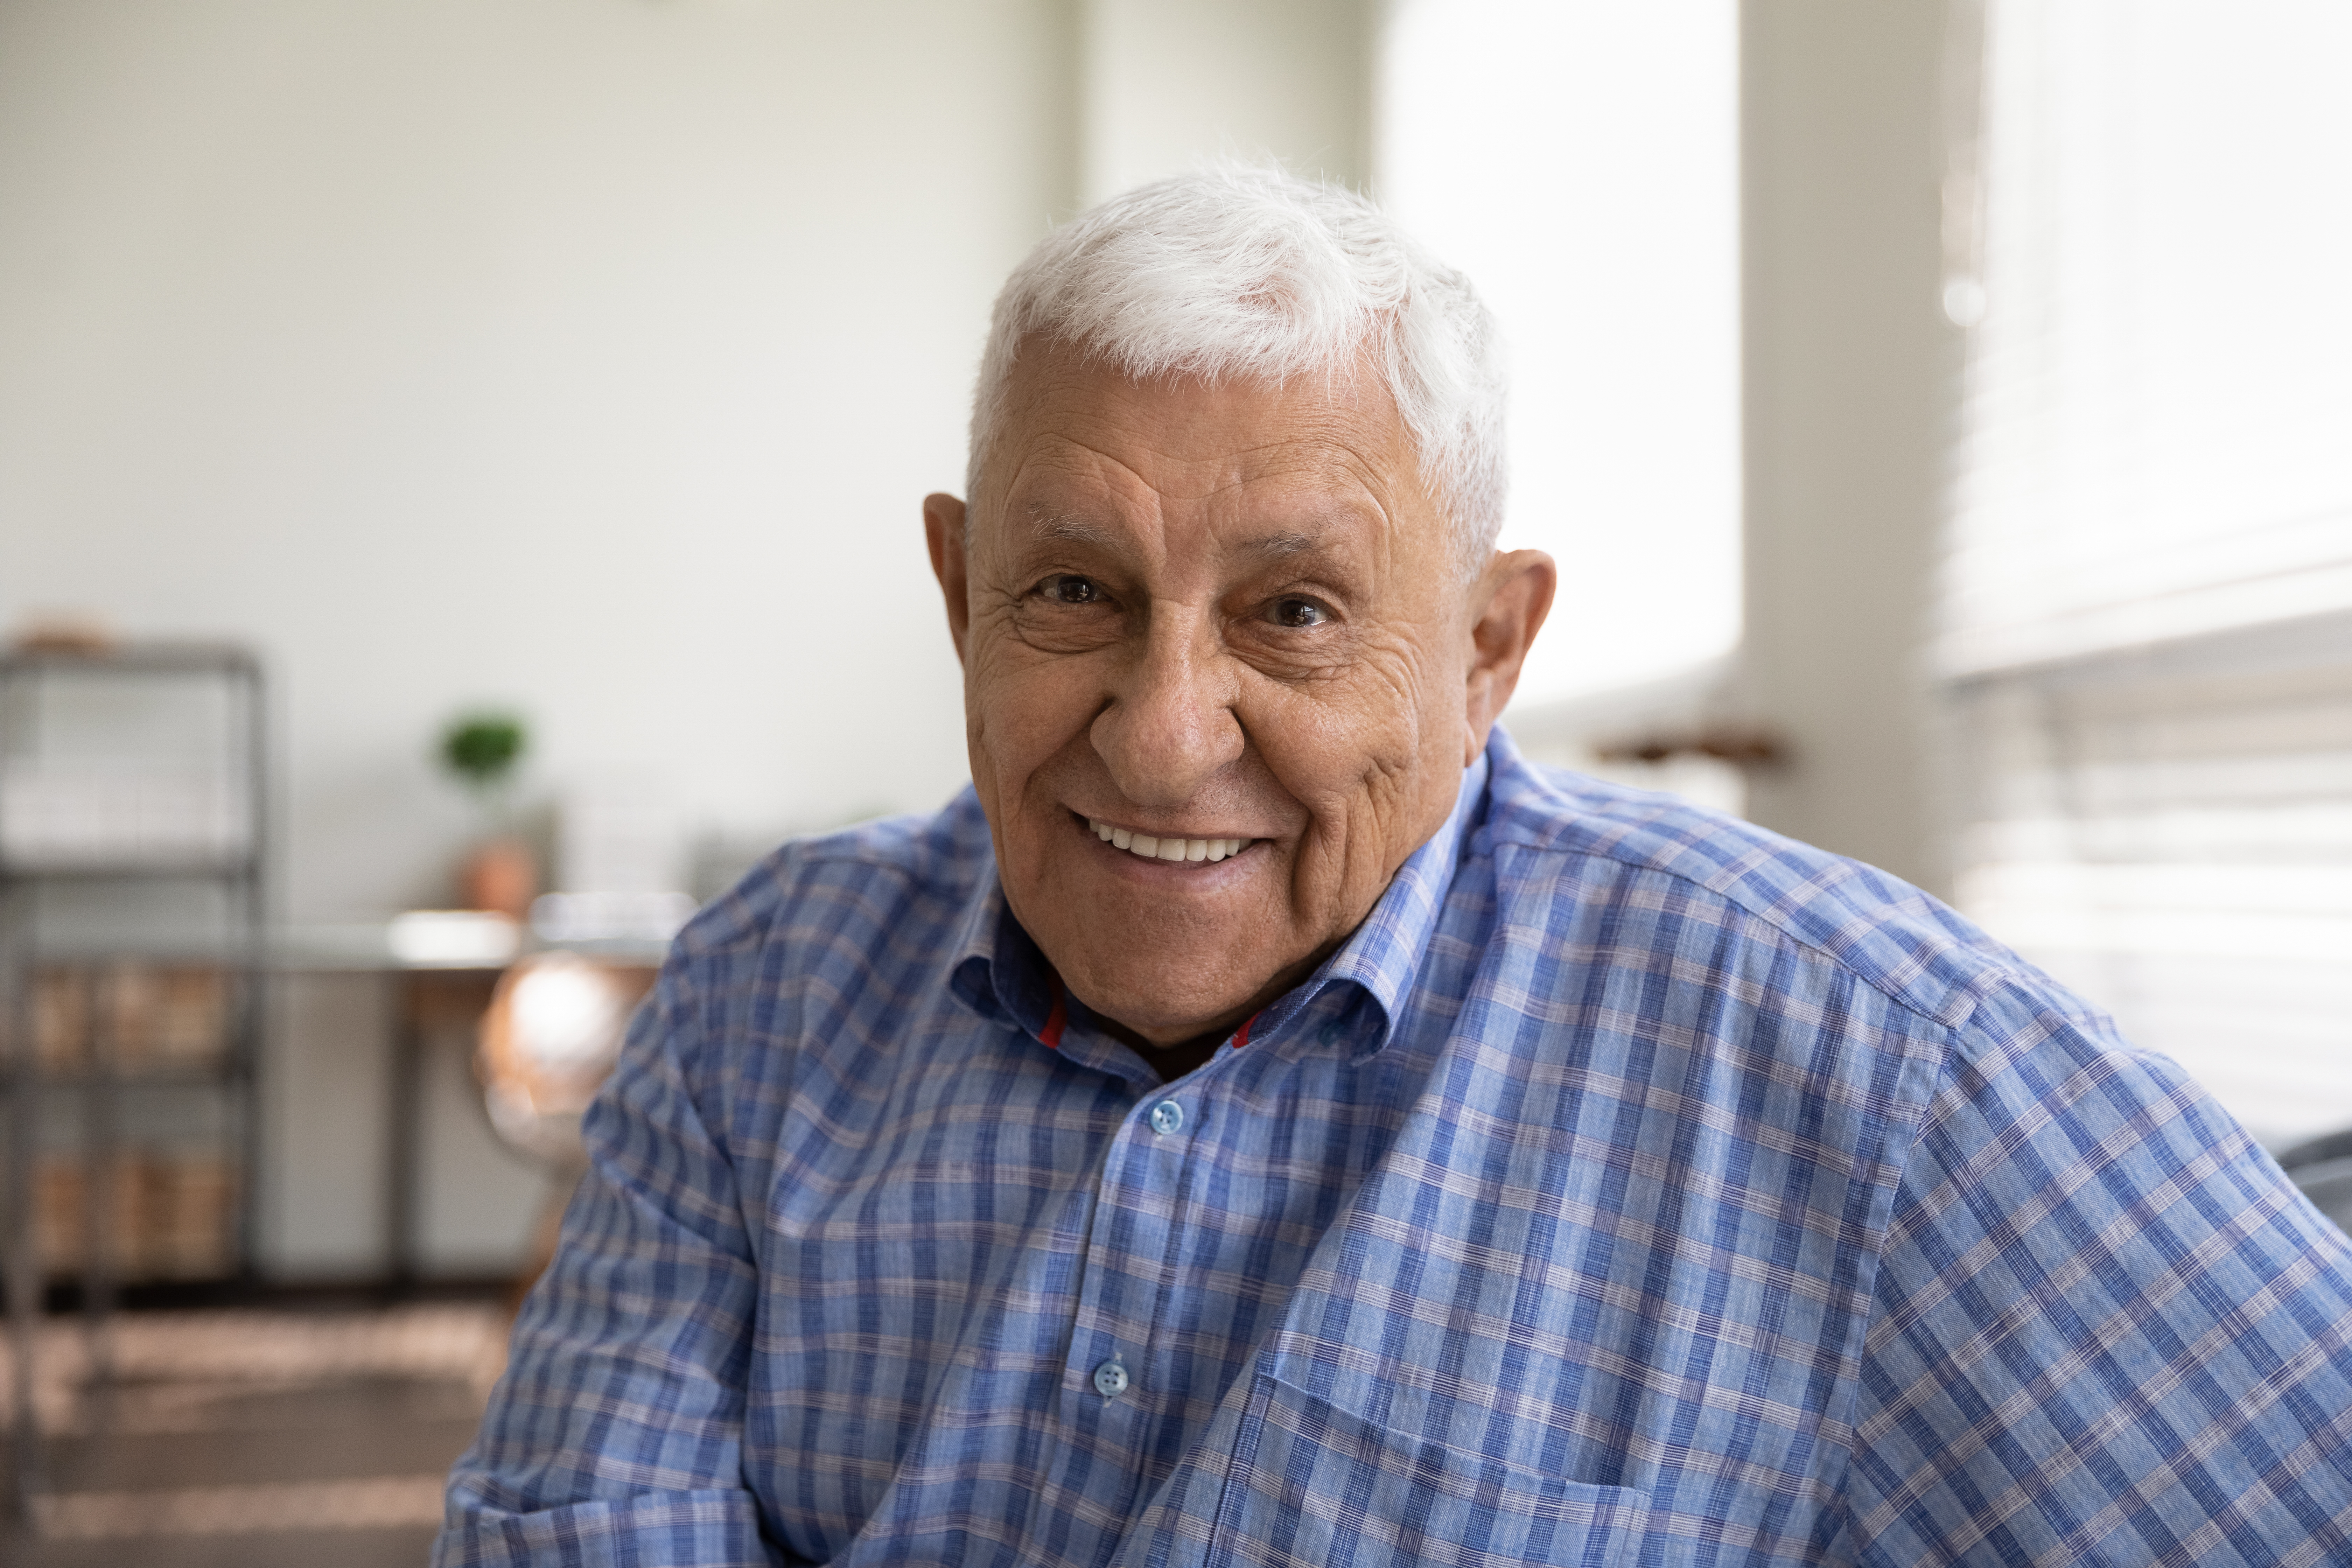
(1136, 1385)
(1118, 1372)
(1124, 1355)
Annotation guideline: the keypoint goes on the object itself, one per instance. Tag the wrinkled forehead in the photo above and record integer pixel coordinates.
(1082, 446)
(1244, 537)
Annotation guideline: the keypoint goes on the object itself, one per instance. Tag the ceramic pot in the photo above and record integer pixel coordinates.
(501, 875)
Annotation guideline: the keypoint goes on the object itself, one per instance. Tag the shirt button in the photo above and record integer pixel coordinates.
(1110, 1379)
(1166, 1116)
(1332, 1032)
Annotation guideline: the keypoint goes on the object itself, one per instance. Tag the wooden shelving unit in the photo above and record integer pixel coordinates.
(132, 847)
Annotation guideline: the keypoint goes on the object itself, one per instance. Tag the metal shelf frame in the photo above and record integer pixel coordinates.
(101, 1080)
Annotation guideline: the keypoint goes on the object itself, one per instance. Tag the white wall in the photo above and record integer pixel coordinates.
(586, 355)
(1849, 393)
(591, 356)
(1166, 83)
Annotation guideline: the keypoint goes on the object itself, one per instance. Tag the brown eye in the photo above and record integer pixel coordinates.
(1066, 589)
(1297, 612)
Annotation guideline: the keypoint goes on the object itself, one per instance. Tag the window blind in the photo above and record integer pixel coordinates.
(2146, 630)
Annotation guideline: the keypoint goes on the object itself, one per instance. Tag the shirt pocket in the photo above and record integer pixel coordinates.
(1311, 1484)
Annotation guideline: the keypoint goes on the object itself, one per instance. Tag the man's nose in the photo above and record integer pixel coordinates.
(1170, 725)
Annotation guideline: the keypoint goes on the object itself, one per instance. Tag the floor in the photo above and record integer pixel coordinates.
(254, 1438)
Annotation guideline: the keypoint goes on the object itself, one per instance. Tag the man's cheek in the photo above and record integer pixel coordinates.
(1024, 710)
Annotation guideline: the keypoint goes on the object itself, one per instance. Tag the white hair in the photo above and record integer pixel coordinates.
(1250, 272)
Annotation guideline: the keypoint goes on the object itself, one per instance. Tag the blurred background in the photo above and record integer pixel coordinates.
(460, 470)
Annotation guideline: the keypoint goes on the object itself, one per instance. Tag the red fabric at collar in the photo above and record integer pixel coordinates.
(1056, 1020)
(1050, 1036)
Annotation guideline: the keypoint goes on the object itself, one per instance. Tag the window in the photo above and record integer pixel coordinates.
(2147, 633)
(1581, 162)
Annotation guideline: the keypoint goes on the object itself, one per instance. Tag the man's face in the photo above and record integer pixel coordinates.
(1210, 616)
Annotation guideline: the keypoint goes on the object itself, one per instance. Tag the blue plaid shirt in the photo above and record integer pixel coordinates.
(1634, 1187)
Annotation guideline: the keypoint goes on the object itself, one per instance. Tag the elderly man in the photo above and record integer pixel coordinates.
(1266, 1120)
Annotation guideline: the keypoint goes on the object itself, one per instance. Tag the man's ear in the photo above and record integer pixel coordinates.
(944, 532)
(1509, 605)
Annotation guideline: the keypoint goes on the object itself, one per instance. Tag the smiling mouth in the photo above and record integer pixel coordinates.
(1172, 850)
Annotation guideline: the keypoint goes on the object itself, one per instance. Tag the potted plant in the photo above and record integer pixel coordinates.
(500, 873)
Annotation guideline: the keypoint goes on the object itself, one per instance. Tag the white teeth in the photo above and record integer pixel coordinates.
(1171, 849)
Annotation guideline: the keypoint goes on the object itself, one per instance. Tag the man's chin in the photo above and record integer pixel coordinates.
(1170, 954)
(1145, 1005)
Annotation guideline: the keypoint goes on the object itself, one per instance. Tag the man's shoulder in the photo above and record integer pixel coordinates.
(856, 883)
(1655, 865)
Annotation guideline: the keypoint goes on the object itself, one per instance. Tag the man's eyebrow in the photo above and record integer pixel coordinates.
(1064, 528)
(1073, 529)
(1284, 542)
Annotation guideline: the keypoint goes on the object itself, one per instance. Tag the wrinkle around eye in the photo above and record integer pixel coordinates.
(1296, 656)
(1052, 627)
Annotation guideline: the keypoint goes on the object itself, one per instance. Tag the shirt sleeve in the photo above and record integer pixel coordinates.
(2107, 1329)
(616, 1434)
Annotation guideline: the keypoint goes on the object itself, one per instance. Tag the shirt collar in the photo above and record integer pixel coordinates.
(999, 972)
(986, 932)
(1382, 957)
